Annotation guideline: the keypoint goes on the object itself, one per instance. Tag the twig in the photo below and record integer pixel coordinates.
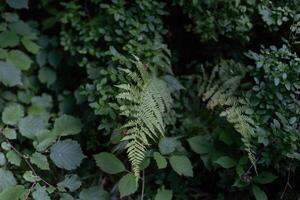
(28, 163)
(286, 185)
(143, 185)
(30, 190)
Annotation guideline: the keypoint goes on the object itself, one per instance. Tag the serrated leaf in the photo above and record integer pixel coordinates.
(47, 76)
(10, 75)
(182, 165)
(30, 177)
(20, 59)
(160, 160)
(8, 39)
(167, 145)
(127, 185)
(13, 158)
(12, 114)
(66, 154)
(10, 133)
(67, 125)
(7, 179)
(40, 193)
(30, 126)
(163, 194)
(258, 193)
(71, 182)
(225, 162)
(40, 161)
(109, 163)
(30, 45)
(264, 178)
(18, 4)
(94, 193)
(12, 193)
(199, 145)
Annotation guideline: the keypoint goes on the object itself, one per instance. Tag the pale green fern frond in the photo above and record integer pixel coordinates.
(145, 101)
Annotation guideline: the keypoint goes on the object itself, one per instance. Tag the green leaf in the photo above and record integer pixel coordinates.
(199, 144)
(258, 193)
(2, 159)
(65, 196)
(109, 163)
(10, 133)
(66, 154)
(182, 165)
(12, 114)
(226, 162)
(264, 178)
(20, 59)
(10, 75)
(94, 193)
(40, 193)
(47, 76)
(30, 126)
(167, 145)
(7, 179)
(163, 194)
(13, 158)
(8, 39)
(12, 193)
(18, 4)
(30, 46)
(127, 185)
(160, 160)
(71, 182)
(30, 177)
(67, 125)
(40, 161)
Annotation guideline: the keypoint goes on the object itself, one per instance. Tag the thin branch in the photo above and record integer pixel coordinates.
(143, 185)
(30, 190)
(286, 185)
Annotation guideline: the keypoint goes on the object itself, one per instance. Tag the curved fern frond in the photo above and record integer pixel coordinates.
(145, 102)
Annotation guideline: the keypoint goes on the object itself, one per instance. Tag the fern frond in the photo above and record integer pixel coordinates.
(145, 102)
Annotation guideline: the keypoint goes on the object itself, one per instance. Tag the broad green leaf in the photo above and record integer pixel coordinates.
(30, 177)
(8, 39)
(47, 76)
(13, 158)
(258, 193)
(20, 59)
(12, 114)
(10, 133)
(44, 139)
(2, 159)
(163, 194)
(12, 193)
(65, 196)
(67, 125)
(40, 193)
(71, 182)
(66, 154)
(30, 46)
(127, 185)
(264, 178)
(30, 126)
(160, 160)
(10, 75)
(41, 58)
(94, 193)
(18, 4)
(226, 162)
(199, 145)
(23, 28)
(167, 145)
(109, 163)
(182, 165)
(7, 179)
(40, 161)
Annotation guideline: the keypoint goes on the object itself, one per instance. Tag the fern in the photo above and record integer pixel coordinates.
(220, 91)
(146, 99)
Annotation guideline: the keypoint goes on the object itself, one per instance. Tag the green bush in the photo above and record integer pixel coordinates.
(149, 99)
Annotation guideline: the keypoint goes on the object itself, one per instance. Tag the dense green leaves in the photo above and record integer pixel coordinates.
(12, 193)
